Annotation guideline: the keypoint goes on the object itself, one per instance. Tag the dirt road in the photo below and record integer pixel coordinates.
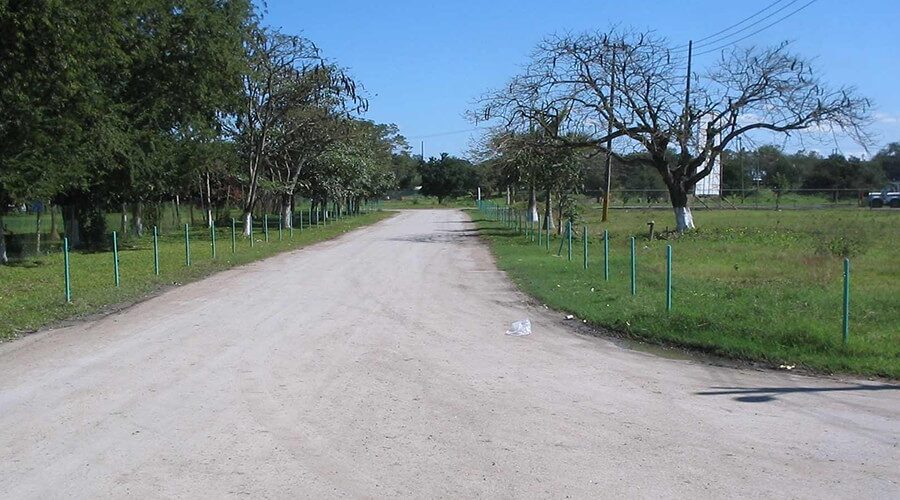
(376, 365)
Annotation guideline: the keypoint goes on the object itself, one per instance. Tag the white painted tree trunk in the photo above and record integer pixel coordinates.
(209, 212)
(137, 218)
(508, 196)
(287, 215)
(123, 229)
(683, 219)
(248, 221)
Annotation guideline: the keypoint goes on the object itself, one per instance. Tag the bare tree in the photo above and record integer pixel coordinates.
(269, 84)
(681, 133)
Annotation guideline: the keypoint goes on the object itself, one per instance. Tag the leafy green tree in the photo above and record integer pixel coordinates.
(836, 173)
(447, 176)
(889, 160)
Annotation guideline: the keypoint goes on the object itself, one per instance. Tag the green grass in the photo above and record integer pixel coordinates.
(752, 285)
(32, 291)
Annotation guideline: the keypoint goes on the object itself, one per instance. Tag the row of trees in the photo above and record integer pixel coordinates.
(627, 97)
(767, 166)
(111, 105)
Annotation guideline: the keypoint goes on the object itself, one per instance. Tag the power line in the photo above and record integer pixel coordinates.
(742, 21)
(725, 45)
(441, 134)
(745, 28)
(807, 4)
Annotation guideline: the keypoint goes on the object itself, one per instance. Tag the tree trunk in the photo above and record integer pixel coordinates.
(559, 209)
(532, 204)
(684, 220)
(124, 221)
(508, 200)
(54, 229)
(548, 212)
(137, 218)
(176, 215)
(3, 257)
(37, 232)
(247, 217)
(209, 213)
(287, 219)
(72, 227)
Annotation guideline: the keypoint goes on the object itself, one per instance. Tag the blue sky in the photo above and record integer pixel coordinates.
(423, 63)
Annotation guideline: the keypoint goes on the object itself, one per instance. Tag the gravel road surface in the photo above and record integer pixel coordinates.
(376, 365)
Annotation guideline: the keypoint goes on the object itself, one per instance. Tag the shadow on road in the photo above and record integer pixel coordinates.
(766, 394)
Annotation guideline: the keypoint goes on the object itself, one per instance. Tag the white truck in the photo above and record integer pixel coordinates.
(889, 196)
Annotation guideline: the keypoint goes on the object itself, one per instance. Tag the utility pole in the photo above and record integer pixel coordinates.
(687, 100)
(609, 130)
(422, 151)
(741, 152)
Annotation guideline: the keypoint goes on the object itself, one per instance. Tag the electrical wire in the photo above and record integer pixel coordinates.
(742, 21)
(441, 134)
(807, 4)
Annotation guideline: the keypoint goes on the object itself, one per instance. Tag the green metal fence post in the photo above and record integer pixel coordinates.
(187, 245)
(606, 255)
(115, 257)
(668, 277)
(266, 226)
(846, 319)
(540, 232)
(633, 269)
(585, 245)
(547, 239)
(233, 237)
(67, 275)
(569, 238)
(155, 250)
(212, 238)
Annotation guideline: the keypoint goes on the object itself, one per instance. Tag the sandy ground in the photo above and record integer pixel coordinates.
(377, 365)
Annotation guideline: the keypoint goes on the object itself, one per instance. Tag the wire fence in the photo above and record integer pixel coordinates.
(37, 229)
(542, 236)
(752, 198)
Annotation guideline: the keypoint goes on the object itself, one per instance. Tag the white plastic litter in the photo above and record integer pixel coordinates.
(520, 328)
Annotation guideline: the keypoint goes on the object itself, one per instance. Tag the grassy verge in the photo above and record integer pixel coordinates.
(763, 286)
(32, 292)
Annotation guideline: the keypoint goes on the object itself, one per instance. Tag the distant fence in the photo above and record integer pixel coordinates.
(751, 198)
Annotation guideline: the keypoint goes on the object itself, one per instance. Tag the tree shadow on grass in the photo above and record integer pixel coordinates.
(767, 394)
